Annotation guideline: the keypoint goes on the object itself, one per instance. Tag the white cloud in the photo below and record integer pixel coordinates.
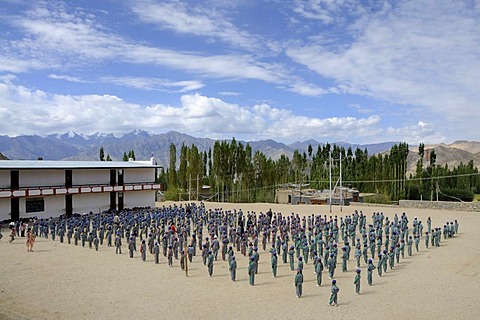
(68, 78)
(57, 37)
(328, 11)
(196, 114)
(193, 19)
(422, 54)
(148, 84)
(415, 134)
(12, 64)
(229, 93)
(360, 109)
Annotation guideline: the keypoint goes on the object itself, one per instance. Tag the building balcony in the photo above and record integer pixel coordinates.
(39, 191)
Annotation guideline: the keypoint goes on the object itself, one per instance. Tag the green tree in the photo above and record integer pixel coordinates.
(102, 154)
(172, 173)
(131, 155)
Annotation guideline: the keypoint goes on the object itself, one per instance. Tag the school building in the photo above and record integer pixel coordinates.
(51, 188)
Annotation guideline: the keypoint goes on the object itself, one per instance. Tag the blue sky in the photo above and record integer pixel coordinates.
(331, 70)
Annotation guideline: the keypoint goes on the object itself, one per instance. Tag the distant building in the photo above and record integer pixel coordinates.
(293, 194)
(51, 188)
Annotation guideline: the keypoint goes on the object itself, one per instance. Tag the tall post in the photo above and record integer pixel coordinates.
(341, 189)
(330, 174)
(185, 255)
(189, 186)
(198, 185)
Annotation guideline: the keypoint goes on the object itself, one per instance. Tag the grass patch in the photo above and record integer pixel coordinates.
(378, 198)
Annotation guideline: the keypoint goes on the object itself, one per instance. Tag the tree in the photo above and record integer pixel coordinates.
(172, 173)
(108, 158)
(102, 154)
(131, 155)
(182, 175)
(125, 157)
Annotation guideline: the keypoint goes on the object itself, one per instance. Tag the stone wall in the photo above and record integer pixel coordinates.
(441, 205)
(435, 205)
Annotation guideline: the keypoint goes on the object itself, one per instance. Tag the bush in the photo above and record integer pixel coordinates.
(413, 192)
(453, 193)
(171, 194)
(378, 198)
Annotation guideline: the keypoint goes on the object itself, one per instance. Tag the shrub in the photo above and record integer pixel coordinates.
(379, 198)
(452, 193)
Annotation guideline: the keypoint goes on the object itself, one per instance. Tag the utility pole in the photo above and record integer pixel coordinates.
(185, 256)
(189, 185)
(330, 173)
(341, 189)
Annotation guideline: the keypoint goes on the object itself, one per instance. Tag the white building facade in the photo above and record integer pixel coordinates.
(50, 188)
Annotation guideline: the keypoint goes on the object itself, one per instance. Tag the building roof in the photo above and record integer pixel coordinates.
(49, 164)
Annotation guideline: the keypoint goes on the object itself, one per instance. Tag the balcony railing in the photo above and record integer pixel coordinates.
(76, 189)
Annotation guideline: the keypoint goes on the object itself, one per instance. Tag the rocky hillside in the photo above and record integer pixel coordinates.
(450, 154)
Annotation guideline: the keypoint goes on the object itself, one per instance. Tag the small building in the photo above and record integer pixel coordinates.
(51, 188)
(313, 196)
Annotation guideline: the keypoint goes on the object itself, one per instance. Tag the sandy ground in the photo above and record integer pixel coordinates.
(61, 281)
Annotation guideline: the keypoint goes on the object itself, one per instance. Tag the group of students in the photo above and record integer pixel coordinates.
(18, 229)
(177, 232)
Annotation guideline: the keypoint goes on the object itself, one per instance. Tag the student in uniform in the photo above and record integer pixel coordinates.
(298, 283)
(274, 263)
(118, 244)
(143, 251)
(156, 252)
(318, 270)
(170, 256)
(334, 294)
(251, 271)
(131, 247)
(233, 268)
(95, 242)
(370, 269)
(291, 256)
(356, 281)
(210, 259)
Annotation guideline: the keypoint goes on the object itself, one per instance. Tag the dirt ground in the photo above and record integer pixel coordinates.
(61, 281)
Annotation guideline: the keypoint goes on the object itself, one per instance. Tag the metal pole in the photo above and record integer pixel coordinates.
(189, 185)
(185, 255)
(341, 189)
(330, 174)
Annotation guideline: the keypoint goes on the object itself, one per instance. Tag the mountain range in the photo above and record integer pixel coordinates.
(75, 146)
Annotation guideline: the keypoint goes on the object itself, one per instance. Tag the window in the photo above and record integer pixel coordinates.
(35, 205)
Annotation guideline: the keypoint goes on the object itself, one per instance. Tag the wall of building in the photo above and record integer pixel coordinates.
(138, 175)
(139, 199)
(90, 176)
(54, 206)
(84, 203)
(37, 178)
(4, 179)
(5, 209)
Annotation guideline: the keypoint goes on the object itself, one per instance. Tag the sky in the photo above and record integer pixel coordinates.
(289, 70)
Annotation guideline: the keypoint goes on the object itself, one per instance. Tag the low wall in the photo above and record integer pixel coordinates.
(440, 205)
(435, 205)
